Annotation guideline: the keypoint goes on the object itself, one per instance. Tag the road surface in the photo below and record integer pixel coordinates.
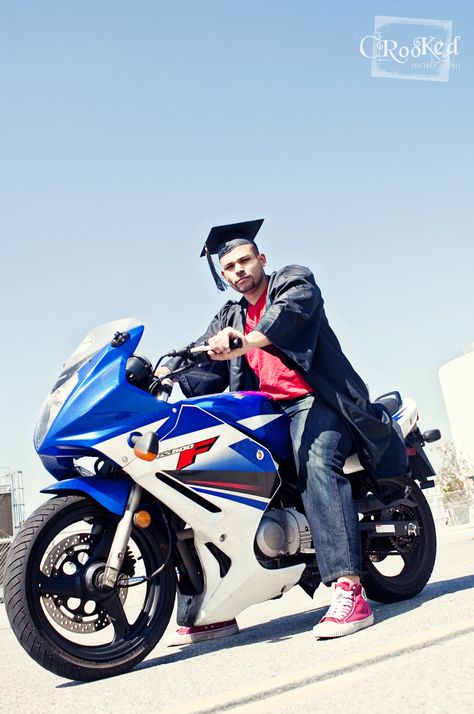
(418, 657)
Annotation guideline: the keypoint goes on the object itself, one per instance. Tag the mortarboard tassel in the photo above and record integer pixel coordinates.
(221, 285)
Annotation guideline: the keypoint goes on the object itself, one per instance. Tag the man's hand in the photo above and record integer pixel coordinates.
(220, 344)
(162, 372)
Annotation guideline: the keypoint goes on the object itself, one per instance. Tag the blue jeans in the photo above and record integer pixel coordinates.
(321, 443)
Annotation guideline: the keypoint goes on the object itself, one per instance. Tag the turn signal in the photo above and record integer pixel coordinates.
(142, 519)
(146, 446)
(145, 455)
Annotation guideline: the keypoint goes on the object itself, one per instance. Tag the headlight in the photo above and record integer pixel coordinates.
(52, 407)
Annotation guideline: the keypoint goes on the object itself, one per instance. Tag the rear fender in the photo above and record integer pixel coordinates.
(112, 494)
(421, 468)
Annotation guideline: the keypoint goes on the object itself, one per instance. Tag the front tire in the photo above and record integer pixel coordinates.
(61, 619)
(398, 568)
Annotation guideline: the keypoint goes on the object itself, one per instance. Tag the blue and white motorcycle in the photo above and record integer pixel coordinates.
(197, 496)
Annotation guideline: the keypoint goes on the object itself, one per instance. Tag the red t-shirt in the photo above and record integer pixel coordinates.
(276, 379)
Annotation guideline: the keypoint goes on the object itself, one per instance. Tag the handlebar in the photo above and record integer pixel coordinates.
(192, 355)
(234, 344)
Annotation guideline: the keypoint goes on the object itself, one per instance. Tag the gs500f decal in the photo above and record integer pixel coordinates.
(188, 453)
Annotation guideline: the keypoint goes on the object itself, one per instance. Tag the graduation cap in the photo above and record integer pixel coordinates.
(223, 239)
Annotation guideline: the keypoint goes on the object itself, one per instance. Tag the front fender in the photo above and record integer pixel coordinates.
(111, 493)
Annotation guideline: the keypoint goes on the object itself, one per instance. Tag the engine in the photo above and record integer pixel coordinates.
(283, 532)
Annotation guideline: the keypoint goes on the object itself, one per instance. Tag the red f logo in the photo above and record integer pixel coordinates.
(188, 457)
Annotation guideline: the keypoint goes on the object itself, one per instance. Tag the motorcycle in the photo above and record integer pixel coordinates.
(197, 496)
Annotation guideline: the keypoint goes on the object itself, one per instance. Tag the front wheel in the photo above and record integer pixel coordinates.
(55, 607)
(398, 567)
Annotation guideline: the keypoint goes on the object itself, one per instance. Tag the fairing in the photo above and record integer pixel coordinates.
(112, 494)
(103, 405)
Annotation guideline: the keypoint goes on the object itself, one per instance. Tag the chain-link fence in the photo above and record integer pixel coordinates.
(5, 544)
(459, 508)
(453, 508)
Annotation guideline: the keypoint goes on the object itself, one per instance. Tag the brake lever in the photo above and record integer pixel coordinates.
(198, 352)
(184, 352)
(193, 349)
(234, 344)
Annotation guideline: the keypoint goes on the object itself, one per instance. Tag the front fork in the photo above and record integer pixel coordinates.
(120, 541)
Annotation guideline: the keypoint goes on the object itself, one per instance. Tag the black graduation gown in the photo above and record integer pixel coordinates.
(296, 324)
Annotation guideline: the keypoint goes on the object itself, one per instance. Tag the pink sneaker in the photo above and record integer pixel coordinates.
(349, 612)
(201, 633)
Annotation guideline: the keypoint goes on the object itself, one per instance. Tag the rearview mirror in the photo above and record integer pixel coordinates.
(431, 435)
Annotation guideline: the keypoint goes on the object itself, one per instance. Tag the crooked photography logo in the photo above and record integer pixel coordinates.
(411, 48)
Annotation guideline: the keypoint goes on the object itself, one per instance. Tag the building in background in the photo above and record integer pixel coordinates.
(12, 506)
(12, 513)
(457, 384)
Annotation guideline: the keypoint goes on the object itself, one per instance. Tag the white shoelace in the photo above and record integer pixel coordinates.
(341, 604)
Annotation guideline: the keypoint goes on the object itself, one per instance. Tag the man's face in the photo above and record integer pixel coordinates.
(243, 268)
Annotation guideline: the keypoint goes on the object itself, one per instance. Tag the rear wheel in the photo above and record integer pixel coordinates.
(398, 567)
(55, 607)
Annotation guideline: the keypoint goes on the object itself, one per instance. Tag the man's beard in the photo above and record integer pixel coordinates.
(249, 285)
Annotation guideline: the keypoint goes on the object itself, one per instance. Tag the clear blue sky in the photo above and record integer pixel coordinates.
(128, 129)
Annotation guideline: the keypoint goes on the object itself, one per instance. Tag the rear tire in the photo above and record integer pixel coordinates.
(66, 625)
(416, 553)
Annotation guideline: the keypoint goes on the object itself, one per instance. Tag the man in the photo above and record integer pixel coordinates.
(290, 352)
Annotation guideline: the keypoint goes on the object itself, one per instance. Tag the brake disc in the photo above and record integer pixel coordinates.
(81, 615)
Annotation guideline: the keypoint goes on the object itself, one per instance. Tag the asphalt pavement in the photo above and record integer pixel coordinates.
(418, 657)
